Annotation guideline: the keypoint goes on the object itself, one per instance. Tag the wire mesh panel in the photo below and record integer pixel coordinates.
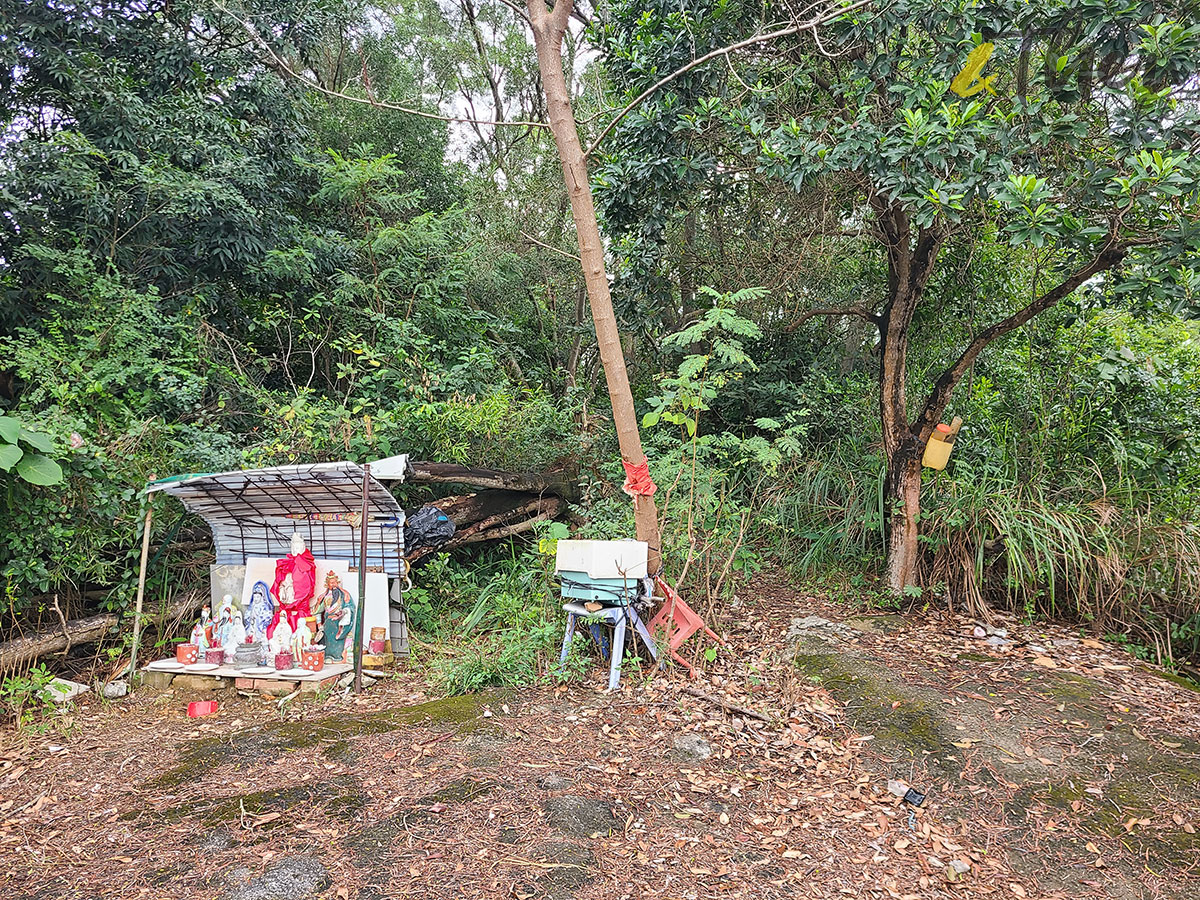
(254, 512)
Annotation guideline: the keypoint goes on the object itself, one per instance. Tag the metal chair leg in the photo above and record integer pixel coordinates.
(618, 654)
(566, 647)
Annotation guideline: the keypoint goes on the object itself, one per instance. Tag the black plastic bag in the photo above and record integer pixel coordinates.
(427, 527)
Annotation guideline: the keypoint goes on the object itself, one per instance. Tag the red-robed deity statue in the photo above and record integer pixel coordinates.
(295, 584)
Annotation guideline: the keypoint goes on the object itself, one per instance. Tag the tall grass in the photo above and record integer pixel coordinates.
(1080, 550)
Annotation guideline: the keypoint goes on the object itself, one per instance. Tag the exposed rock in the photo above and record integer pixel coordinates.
(573, 867)
(60, 690)
(815, 627)
(580, 816)
(690, 746)
(294, 878)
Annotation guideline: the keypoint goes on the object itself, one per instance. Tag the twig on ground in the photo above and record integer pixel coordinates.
(725, 704)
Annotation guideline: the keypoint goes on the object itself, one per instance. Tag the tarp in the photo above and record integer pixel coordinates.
(254, 512)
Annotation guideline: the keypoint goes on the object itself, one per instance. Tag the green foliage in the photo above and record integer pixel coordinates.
(32, 463)
(26, 701)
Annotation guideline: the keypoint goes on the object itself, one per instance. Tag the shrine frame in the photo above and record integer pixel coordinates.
(254, 512)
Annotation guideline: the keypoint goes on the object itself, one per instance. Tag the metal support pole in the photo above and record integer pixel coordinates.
(362, 579)
(141, 591)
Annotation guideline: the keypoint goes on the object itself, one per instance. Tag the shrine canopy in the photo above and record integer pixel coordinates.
(254, 512)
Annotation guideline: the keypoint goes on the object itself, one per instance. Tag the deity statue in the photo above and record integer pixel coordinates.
(230, 629)
(281, 639)
(261, 612)
(295, 583)
(303, 638)
(202, 632)
(337, 608)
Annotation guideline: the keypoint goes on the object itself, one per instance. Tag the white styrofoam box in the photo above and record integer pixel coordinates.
(603, 559)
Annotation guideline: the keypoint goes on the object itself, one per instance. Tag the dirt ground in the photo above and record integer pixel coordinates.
(1053, 766)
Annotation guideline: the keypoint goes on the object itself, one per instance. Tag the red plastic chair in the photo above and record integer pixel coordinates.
(678, 622)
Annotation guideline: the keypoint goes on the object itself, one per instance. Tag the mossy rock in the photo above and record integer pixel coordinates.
(232, 807)
(270, 741)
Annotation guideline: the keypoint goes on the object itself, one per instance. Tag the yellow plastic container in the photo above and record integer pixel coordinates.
(937, 454)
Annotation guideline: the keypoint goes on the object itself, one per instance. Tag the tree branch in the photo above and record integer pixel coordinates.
(939, 397)
(365, 101)
(544, 245)
(856, 311)
(809, 25)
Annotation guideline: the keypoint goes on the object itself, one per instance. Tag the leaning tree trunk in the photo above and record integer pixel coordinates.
(549, 27)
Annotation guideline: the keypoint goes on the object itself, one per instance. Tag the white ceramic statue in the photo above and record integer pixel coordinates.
(231, 630)
(281, 640)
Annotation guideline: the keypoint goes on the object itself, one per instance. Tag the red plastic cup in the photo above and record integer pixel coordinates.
(200, 708)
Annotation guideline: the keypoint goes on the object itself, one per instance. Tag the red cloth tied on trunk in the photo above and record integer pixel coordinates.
(638, 482)
(303, 569)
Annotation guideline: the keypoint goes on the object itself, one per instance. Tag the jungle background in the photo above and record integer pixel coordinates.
(207, 262)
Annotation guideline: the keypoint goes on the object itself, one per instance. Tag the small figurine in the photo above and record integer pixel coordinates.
(230, 630)
(281, 640)
(338, 608)
(261, 612)
(202, 631)
(302, 637)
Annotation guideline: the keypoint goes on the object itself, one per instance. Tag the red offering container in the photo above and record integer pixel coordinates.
(215, 655)
(187, 653)
(283, 660)
(202, 708)
(377, 647)
(313, 660)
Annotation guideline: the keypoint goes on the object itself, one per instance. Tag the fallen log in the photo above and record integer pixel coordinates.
(508, 520)
(89, 630)
(559, 483)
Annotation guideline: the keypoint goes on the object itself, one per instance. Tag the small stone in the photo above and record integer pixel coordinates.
(998, 632)
(347, 680)
(690, 746)
(487, 713)
(998, 642)
(554, 782)
(899, 788)
(293, 878)
(115, 690)
(980, 631)
(59, 690)
(959, 868)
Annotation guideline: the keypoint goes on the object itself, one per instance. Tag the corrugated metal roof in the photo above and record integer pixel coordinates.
(254, 512)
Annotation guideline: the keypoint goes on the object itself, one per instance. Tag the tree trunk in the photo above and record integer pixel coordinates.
(910, 265)
(549, 27)
(903, 492)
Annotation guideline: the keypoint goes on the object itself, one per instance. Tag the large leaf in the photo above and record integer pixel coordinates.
(10, 429)
(9, 454)
(40, 470)
(37, 440)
